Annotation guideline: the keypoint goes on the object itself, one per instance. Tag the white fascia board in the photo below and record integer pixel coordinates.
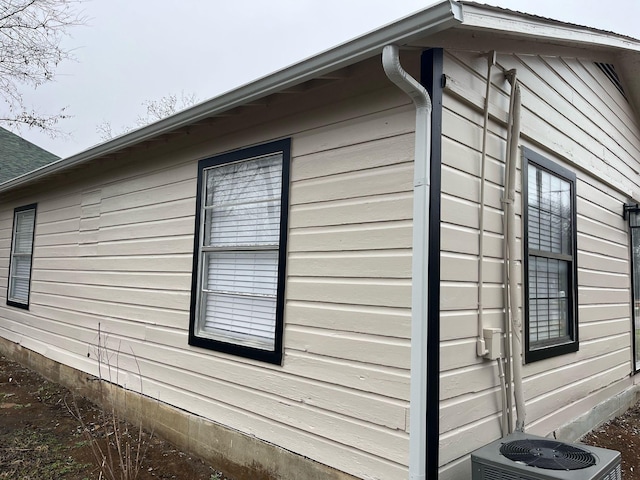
(528, 26)
(438, 17)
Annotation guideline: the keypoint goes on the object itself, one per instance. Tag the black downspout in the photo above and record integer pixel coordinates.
(432, 78)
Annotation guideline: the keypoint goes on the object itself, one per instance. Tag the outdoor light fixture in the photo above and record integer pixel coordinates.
(630, 208)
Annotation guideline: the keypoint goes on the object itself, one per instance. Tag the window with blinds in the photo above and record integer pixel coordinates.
(24, 220)
(239, 259)
(549, 261)
(634, 231)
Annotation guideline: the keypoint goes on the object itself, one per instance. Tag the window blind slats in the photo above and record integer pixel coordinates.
(244, 225)
(243, 272)
(20, 289)
(548, 296)
(235, 317)
(22, 266)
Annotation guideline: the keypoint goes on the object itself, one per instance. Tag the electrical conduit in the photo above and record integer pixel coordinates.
(507, 408)
(514, 304)
(420, 267)
(481, 348)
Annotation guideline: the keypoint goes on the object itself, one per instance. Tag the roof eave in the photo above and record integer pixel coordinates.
(622, 50)
(486, 18)
(438, 17)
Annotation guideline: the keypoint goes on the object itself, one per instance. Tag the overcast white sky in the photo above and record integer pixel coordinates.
(136, 50)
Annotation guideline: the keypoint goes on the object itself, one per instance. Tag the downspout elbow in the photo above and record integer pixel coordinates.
(404, 81)
(423, 105)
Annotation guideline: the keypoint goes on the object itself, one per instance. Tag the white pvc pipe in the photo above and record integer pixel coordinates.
(420, 267)
(481, 348)
(508, 411)
(514, 303)
(503, 397)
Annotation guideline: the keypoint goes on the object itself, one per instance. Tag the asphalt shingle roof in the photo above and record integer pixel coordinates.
(19, 156)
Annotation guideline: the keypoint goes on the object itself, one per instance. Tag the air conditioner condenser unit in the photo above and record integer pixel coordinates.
(520, 456)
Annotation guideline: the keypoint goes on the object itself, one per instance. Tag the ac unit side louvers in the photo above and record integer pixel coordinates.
(520, 456)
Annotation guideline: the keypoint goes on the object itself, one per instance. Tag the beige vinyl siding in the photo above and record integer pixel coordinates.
(114, 248)
(573, 116)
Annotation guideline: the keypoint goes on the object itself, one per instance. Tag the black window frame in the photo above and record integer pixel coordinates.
(274, 356)
(571, 343)
(16, 211)
(631, 214)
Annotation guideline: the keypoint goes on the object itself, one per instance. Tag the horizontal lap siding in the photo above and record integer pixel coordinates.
(572, 115)
(349, 268)
(117, 252)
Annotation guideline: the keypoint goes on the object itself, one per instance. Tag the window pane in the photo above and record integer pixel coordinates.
(246, 320)
(548, 299)
(20, 274)
(243, 203)
(244, 182)
(635, 262)
(549, 211)
(240, 296)
(243, 225)
(24, 231)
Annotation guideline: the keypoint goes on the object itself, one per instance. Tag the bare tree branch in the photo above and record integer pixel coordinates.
(31, 33)
(154, 110)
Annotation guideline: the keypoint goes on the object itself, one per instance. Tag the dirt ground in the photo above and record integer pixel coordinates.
(42, 438)
(622, 434)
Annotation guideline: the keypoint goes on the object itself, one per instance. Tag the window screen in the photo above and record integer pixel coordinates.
(24, 220)
(550, 235)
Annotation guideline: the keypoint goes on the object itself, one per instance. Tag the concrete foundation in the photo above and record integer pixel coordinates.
(601, 413)
(237, 455)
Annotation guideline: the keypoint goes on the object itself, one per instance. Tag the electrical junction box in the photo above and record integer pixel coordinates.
(493, 342)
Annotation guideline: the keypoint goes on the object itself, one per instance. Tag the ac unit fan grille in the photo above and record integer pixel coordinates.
(548, 454)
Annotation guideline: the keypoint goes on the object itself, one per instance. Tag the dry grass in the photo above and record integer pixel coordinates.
(118, 447)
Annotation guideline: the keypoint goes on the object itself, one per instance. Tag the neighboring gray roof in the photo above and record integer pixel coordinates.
(19, 156)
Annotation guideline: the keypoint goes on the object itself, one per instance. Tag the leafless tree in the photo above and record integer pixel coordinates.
(31, 33)
(165, 106)
(154, 110)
